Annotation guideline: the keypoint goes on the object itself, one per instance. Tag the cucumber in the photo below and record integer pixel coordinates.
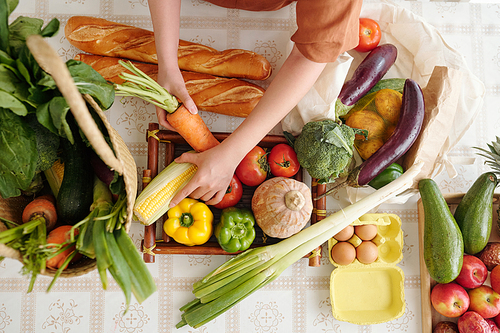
(443, 243)
(474, 214)
(76, 192)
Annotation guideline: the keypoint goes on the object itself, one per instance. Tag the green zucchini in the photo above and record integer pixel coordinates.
(474, 214)
(76, 192)
(443, 243)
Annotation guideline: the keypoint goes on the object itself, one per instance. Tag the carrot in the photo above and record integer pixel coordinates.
(61, 235)
(42, 207)
(192, 128)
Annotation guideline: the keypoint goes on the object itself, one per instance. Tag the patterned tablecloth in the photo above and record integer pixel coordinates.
(298, 301)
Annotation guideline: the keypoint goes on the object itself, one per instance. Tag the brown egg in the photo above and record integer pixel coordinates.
(366, 231)
(367, 252)
(345, 234)
(343, 253)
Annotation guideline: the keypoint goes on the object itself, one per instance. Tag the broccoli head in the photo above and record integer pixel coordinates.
(325, 149)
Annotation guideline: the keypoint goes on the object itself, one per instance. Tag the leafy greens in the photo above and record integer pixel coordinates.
(25, 88)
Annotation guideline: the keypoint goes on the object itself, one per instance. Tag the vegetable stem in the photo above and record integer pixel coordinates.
(138, 84)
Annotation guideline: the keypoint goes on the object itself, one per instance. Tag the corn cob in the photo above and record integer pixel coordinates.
(55, 176)
(153, 201)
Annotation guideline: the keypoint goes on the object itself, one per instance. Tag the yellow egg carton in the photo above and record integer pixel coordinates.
(367, 294)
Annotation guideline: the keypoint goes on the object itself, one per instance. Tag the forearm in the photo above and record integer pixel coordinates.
(293, 81)
(165, 16)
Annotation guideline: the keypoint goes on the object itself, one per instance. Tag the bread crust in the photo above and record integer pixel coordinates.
(106, 38)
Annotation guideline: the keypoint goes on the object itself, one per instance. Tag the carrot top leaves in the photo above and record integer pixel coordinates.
(139, 84)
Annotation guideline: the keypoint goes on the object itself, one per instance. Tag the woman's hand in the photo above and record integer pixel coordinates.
(210, 182)
(173, 82)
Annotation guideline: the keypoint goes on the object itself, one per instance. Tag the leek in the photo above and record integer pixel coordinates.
(251, 270)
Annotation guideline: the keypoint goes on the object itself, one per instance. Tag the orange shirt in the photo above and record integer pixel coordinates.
(326, 28)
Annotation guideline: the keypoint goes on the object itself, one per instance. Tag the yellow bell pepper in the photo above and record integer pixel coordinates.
(189, 223)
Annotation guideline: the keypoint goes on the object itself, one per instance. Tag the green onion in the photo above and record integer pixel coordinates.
(251, 270)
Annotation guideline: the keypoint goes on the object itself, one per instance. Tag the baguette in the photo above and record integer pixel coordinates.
(227, 96)
(102, 37)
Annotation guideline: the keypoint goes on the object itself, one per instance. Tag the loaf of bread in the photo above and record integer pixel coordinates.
(102, 37)
(232, 97)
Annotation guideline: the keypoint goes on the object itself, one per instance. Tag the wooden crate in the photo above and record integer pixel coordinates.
(176, 145)
(429, 316)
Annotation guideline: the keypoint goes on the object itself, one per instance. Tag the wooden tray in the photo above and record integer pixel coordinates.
(176, 145)
(429, 316)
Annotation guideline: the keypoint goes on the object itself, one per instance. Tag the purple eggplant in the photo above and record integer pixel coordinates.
(101, 170)
(403, 137)
(369, 72)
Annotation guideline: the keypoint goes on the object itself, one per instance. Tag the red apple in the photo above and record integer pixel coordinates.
(493, 325)
(473, 272)
(495, 278)
(497, 320)
(472, 322)
(485, 301)
(449, 299)
(445, 327)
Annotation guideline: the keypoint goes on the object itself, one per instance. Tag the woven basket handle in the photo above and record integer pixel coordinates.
(49, 61)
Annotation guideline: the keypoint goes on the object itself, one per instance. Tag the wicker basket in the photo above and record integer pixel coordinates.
(120, 160)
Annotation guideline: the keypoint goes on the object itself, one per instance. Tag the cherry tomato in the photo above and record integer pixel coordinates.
(283, 161)
(369, 35)
(252, 170)
(233, 194)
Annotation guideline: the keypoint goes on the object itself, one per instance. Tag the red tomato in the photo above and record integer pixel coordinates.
(233, 194)
(283, 161)
(369, 35)
(252, 170)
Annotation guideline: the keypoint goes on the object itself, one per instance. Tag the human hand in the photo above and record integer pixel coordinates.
(173, 82)
(212, 178)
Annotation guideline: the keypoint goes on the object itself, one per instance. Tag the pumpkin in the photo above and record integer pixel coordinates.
(282, 206)
(378, 113)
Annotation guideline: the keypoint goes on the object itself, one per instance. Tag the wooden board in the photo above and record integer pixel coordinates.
(429, 316)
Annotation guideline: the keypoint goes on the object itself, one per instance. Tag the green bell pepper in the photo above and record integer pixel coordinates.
(235, 231)
(392, 172)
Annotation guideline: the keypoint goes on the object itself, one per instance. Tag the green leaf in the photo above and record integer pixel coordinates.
(44, 118)
(18, 154)
(89, 81)
(6, 59)
(52, 115)
(11, 103)
(333, 135)
(51, 28)
(20, 29)
(24, 71)
(12, 4)
(10, 83)
(47, 82)
(29, 62)
(4, 26)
